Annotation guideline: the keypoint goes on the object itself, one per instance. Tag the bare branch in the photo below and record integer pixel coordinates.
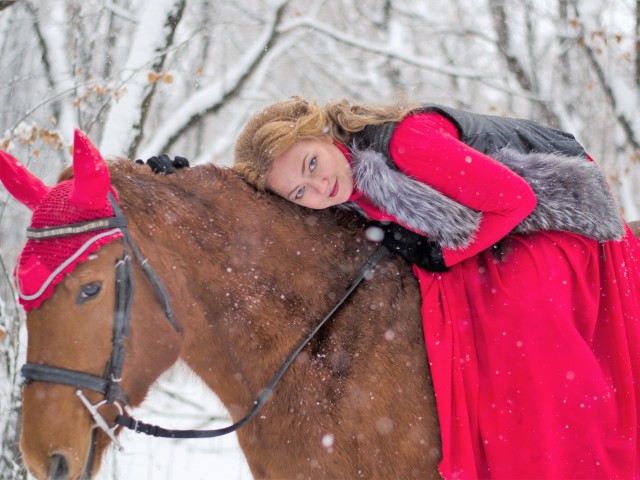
(527, 81)
(384, 50)
(622, 119)
(46, 62)
(605, 82)
(125, 125)
(500, 23)
(172, 22)
(203, 103)
(7, 3)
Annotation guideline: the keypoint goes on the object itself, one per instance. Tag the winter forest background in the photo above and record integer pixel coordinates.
(143, 77)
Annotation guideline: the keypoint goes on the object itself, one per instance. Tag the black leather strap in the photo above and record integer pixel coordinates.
(45, 373)
(109, 384)
(156, 431)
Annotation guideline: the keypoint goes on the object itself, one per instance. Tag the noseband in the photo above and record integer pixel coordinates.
(109, 384)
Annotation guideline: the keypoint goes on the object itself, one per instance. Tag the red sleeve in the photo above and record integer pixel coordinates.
(426, 146)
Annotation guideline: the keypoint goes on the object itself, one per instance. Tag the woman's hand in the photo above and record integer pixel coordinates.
(413, 247)
(162, 164)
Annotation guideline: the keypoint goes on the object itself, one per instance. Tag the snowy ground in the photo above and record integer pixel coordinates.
(180, 401)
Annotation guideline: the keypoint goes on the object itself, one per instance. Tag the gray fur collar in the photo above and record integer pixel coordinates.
(572, 195)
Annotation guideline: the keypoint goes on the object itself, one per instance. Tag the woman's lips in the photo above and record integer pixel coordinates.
(335, 189)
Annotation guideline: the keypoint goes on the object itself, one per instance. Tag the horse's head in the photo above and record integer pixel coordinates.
(73, 278)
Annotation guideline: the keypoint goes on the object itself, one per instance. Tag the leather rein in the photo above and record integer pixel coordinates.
(109, 384)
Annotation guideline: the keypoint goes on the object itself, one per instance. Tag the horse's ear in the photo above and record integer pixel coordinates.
(91, 178)
(25, 187)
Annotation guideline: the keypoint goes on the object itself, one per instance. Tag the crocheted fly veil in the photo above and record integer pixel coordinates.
(44, 262)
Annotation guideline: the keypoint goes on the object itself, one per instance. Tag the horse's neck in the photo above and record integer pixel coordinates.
(249, 277)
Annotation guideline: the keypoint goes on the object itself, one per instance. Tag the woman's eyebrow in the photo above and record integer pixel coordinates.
(304, 161)
(291, 192)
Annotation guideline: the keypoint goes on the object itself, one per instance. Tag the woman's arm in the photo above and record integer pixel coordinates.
(426, 146)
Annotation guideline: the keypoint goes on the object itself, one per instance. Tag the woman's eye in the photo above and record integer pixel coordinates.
(299, 193)
(88, 291)
(312, 164)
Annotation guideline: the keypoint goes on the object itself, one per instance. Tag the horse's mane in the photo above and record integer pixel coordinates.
(203, 180)
(206, 220)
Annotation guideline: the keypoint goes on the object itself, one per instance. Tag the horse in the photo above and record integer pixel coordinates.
(248, 275)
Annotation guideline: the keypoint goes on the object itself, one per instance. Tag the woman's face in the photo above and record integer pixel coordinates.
(312, 173)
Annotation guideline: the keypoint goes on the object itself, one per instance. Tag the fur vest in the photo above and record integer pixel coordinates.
(572, 195)
(486, 133)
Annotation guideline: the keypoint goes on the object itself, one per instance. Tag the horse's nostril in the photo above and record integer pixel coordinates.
(59, 468)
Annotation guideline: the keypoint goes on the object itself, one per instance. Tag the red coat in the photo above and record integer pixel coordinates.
(535, 357)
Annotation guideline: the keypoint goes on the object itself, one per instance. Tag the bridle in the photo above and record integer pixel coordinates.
(109, 384)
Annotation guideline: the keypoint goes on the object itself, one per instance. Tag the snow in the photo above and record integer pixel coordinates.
(209, 97)
(316, 53)
(61, 74)
(389, 51)
(178, 400)
(120, 11)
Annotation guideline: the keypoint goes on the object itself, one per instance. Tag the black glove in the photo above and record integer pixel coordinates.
(413, 247)
(164, 165)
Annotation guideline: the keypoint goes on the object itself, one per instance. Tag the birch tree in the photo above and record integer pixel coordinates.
(124, 126)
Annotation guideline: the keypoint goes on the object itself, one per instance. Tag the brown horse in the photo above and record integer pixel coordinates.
(248, 276)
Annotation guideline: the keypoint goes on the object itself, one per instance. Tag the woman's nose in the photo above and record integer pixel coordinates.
(320, 184)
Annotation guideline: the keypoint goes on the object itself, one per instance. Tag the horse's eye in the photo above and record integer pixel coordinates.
(88, 291)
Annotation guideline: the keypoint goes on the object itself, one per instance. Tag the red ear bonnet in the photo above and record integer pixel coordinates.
(43, 263)
(91, 177)
(23, 186)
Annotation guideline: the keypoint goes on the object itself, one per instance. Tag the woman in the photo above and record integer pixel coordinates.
(529, 278)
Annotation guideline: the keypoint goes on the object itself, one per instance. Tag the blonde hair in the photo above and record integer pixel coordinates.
(274, 129)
